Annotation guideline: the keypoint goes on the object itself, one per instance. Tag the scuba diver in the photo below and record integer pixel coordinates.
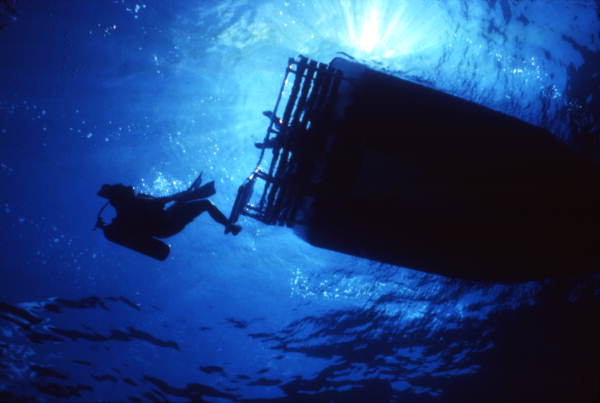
(142, 218)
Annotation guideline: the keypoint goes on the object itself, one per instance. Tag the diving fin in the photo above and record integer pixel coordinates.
(197, 182)
(200, 192)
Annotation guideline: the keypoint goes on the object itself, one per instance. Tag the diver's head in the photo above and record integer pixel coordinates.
(115, 191)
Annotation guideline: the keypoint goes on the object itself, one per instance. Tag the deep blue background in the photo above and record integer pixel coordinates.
(150, 93)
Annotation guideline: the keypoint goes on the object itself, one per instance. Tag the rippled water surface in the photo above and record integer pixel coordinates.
(151, 93)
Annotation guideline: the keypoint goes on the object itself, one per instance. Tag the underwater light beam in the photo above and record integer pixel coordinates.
(370, 31)
(375, 34)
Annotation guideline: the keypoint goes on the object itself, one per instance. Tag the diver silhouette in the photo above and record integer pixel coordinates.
(142, 218)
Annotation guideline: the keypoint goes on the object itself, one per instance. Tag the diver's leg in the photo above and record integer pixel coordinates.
(214, 212)
(181, 214)
(176, 217)
(219, 217)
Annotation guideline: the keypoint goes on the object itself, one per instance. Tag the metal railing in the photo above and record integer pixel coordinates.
(308, 88)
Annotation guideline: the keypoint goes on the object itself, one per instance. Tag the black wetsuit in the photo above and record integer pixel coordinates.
(142, 219)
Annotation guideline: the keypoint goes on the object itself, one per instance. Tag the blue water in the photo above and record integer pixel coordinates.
(150, 93)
